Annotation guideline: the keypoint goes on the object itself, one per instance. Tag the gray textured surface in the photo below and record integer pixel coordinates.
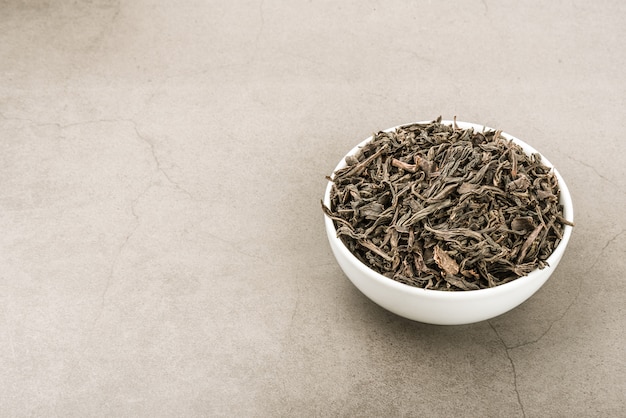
(162, 249)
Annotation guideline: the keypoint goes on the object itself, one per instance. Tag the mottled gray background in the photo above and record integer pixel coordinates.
(162, 250)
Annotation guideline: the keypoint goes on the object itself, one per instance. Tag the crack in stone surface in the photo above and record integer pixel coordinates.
(118, 255)
(157, 161)
(124, 244)
(514, 371)
(109, 278)
(158, 167)
(575, 298)
(133, 204)
(602, 176)
(143, 138)
(508, 348)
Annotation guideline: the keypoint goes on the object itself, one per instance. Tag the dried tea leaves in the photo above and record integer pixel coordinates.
(438, 207)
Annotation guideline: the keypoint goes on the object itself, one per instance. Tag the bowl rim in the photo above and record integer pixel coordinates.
(565, 200)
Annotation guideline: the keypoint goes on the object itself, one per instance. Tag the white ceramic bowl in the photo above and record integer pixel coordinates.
(447, 307)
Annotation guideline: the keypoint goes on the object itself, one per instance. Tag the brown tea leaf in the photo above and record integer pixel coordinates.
(532, 237)
(411, 168)
(522, 183)
(445, 262)
(460, 283)
(371, 210)
(522, 223)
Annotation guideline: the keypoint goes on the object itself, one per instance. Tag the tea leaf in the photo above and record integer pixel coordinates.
(445, 262)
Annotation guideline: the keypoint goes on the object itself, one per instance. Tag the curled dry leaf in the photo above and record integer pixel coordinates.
(445, 262)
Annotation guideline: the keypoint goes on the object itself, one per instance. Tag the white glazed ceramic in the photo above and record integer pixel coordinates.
(447, 307)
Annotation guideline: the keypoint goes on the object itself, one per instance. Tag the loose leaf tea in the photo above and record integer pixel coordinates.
(439, 207)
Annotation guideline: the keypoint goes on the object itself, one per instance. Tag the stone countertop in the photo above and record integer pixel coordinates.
(163, 251)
